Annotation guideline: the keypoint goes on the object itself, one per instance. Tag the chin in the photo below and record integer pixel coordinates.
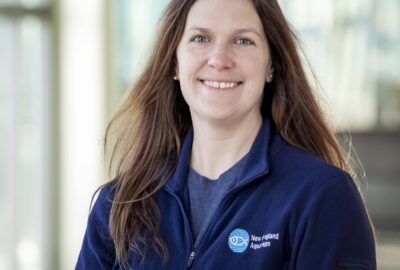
(219, 116)
(216, 114)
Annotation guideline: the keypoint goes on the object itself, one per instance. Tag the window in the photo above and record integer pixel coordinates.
(353, 47)
(132, 27)
(26, 135)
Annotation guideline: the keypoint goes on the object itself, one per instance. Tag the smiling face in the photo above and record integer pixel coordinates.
(223, 61)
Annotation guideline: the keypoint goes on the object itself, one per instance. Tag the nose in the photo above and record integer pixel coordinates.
(220, 58)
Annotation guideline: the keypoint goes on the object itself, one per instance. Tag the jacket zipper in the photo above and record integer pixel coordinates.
(222, 205)
(191, 259)
(200, 242)
(185, 218)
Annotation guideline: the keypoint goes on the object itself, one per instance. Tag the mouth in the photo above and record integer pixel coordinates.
(226, 85)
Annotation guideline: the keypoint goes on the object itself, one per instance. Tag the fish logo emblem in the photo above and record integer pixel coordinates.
(238, 240)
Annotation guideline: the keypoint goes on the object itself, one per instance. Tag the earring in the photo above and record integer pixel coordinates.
(175, 78)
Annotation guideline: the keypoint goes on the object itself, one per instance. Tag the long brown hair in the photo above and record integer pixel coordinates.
(148, 128)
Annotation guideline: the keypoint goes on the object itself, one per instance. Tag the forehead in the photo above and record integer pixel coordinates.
(223, 14)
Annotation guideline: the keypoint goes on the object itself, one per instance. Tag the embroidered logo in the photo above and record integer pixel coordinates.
(238, 240)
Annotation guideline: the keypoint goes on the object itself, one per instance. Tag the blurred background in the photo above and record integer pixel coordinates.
(65, 64)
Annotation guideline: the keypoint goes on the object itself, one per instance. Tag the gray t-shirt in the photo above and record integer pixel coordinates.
(205, 195)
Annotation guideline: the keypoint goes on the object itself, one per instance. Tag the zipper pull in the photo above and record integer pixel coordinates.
(191, 259)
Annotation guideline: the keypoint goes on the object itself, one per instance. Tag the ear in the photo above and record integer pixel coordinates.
(176, 73)
(270, 74)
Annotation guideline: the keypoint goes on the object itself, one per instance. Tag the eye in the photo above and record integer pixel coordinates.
(199, 39)
(244, 41)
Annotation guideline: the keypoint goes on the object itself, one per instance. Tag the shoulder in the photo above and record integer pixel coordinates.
(97, 251)
(101, 208)
(309, 180)
(99, 217)
(299, 167)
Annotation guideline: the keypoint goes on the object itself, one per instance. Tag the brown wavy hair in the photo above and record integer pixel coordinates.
(146, 132)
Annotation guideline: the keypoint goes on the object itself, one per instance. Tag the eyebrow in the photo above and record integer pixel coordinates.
(238, 31)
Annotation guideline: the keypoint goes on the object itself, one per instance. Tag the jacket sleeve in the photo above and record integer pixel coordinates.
(335, 232)
(97, 250)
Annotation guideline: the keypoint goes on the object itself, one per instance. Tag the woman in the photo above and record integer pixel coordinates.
(223, 157)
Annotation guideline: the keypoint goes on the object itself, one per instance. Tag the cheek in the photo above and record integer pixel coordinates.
(187, 72)
(256, 72)
(254, 65)
(188, 62)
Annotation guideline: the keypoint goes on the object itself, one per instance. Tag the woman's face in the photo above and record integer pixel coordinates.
(223, 60)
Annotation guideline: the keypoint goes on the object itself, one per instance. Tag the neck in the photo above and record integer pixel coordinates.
(218, 146)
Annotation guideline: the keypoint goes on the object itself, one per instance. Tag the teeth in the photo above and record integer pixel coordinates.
(221, 85)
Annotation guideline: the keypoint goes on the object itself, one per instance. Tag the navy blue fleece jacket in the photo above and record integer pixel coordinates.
(288, 210)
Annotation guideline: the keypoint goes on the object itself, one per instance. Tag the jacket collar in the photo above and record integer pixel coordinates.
(256, 162)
